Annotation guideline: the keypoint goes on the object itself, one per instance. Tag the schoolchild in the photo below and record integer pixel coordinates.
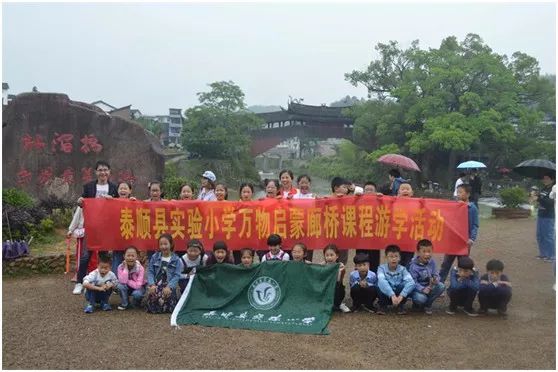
(394, 282)
(162, 277)
(495, 290)
(275, 252)
(331, 257)
(131, 280)
(363, 284)
(99, 285)
(427, 281)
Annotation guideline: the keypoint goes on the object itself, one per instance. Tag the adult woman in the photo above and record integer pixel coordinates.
(287, 189)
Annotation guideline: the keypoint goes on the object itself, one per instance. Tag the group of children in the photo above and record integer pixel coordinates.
(393, 284)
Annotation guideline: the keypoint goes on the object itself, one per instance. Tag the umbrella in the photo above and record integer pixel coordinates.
(471, 164)
(399, 161)
(535, 168)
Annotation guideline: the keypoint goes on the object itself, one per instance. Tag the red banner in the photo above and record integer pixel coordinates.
(363, 222)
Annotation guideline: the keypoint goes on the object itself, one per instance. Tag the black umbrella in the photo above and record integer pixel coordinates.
(535, 168)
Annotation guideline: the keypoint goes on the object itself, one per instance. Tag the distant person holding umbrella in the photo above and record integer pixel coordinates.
(545, 198)
(546, 233)
(476, 186)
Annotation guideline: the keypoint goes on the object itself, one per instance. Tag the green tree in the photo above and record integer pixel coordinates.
(151, 125)
(438, 105)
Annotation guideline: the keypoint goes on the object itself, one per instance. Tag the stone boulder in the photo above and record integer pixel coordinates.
(51, 144)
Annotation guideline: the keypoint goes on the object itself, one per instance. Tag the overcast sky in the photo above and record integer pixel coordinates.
(156, 56)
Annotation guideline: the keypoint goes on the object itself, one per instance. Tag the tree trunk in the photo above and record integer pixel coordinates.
(451, 169)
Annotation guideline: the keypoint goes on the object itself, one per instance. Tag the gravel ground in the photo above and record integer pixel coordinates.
(44, 327)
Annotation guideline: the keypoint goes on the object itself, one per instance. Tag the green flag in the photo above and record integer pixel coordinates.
(278, 296)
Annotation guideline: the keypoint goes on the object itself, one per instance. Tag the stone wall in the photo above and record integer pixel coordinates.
(51, 145)
(40, 264)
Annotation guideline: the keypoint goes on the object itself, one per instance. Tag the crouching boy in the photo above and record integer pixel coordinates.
(427, 281)
(394, 281)
(464, 286)
(99, 285)
(363, 284)
(495, 289)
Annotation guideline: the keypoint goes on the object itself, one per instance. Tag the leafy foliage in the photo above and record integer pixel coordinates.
(454, 101)
(513, 197)
(219, 128)
(17, 198)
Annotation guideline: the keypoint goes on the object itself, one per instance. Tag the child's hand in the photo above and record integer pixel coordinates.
(166, 292)
(363, 283)
(395, 300)
(470, 243)
(69, 234)
(80, 201)
(133, 198)
(426, 290)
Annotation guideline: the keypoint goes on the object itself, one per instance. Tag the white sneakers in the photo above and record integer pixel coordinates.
(77, 289)
(344, 308)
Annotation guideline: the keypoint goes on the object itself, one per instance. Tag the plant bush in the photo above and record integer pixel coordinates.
(17, 198)
(62, 217)
(513, 197)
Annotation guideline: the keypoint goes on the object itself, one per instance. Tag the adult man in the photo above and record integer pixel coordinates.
(100, 188)
(476, 186)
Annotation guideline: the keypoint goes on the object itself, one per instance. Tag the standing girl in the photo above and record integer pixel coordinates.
(207, 192)
(331, 256)
(221, 192)
(155, 191)
(299, 253)
(287, 189)
(304, 182)
(186, 193)
(162, 277)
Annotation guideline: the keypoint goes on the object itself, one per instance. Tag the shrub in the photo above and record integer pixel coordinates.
(62, 217)
(172, 185)
(513, 197)
(17, 198)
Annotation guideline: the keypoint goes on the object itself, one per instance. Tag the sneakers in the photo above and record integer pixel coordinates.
(381, 311)
(503, 313)
(122, 307)
(428, 310)
(401, 311)
(369, 309)
(88, 309)
(344, 308)
(482, 311)
(548, 259)
(77, 289)
(540, 257)
(106, 307)
(470, 312)
(451, 310)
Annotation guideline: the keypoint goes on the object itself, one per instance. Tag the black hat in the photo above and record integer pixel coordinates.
(218, 245)
(465, 263)
(361, 258)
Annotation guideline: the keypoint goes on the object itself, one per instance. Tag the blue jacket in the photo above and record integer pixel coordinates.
(471, 282)
(422, 273)
(473, 221)
(354, 279)
(389, 280)
(396, 183)
(174, 269)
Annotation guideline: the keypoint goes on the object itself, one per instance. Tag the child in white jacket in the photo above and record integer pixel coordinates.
(77, 231)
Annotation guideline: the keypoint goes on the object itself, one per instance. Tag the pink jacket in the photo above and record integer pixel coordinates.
(135, 280)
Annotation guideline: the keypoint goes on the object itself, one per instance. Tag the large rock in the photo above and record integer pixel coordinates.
(51, 144)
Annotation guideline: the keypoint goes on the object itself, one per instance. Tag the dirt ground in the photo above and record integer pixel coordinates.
(44, 327)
